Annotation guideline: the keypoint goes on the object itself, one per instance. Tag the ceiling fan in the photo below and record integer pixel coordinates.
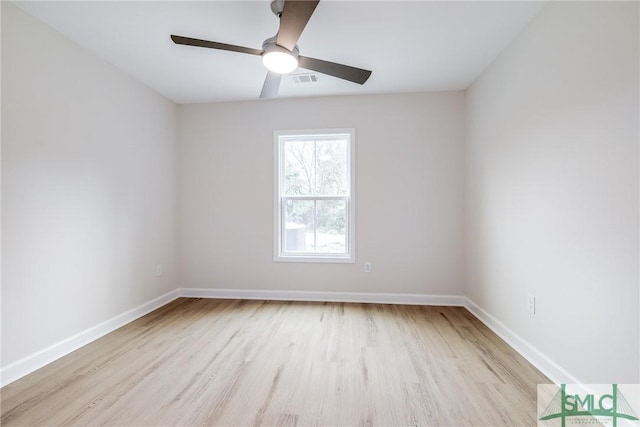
(280, 53)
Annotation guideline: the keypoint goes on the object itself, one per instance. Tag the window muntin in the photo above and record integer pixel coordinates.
(314, 196)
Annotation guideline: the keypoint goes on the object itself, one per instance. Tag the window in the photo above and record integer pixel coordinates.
(314, 210)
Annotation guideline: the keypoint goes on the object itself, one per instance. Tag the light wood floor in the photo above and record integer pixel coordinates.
(244, 363)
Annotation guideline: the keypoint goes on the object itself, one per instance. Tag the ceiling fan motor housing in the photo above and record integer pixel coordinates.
(270, 45)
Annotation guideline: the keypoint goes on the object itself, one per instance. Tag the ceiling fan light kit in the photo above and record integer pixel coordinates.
(279, 59)
(280, 54)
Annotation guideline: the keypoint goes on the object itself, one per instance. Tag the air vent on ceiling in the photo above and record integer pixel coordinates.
(305, 78)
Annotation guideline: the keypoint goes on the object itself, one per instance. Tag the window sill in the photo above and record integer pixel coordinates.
(316, 259)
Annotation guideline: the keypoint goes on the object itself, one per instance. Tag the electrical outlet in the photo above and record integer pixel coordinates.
(367, 267)
(531, 304)
(159, 270)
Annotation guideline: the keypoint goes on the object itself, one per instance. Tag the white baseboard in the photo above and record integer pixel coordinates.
(356, 297)
(35, 361)
(548, 367)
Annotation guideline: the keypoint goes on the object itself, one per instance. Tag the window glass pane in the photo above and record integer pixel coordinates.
(315, 226)
(299, 226)
(330, 231)
(316, 167)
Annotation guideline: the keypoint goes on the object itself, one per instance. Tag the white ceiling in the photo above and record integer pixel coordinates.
(411, 46)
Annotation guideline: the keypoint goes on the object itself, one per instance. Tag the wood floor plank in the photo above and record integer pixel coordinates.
(252, 363)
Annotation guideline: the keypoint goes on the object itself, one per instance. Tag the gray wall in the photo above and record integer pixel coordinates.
(409, 181)
(88, 189)
(552, 188)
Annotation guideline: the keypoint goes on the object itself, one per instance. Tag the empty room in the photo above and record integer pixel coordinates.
(320, 213)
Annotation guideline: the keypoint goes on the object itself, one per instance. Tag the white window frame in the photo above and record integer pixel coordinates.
(279, 199)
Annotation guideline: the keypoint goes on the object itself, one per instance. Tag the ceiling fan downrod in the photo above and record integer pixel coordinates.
(276, 7)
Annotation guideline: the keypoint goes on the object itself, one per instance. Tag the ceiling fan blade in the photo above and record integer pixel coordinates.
(345, 72)
(294, 17)
(271, 85)
(214, 45)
